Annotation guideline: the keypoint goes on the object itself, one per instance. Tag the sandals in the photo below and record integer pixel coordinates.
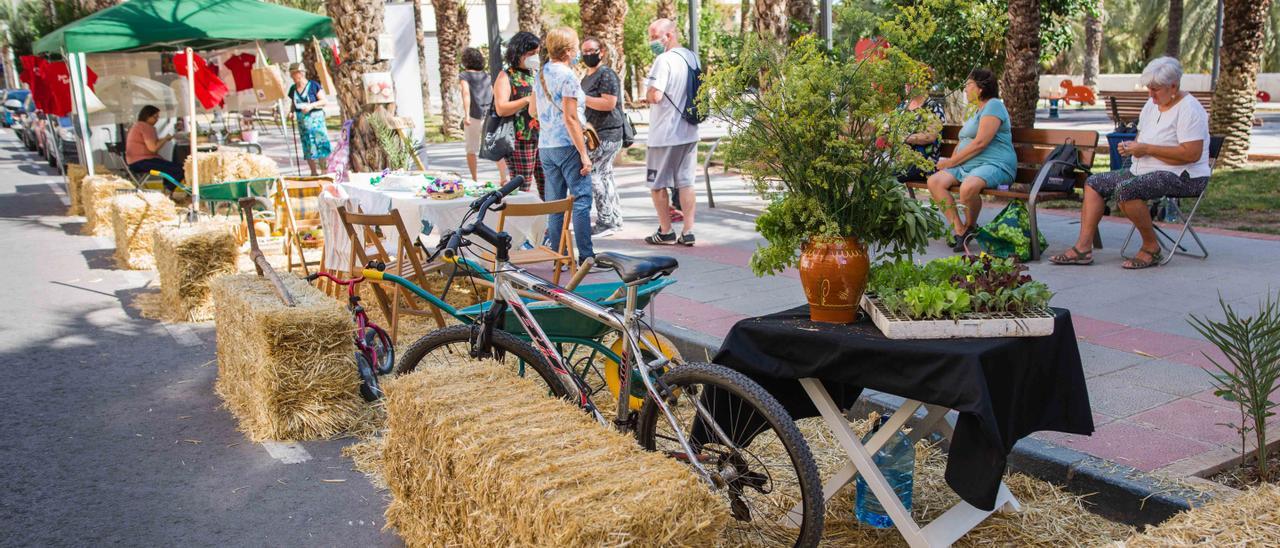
(1079, 257)
(1137, 263)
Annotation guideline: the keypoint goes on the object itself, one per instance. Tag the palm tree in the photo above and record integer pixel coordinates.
(1092, 44)
(1173, 40)
(771, 18)
(1019, 86)
(604, 20)
(529, 14)
(452, 34)
(800, 13)
(357, 24)
(667, 9)
(1233, 99)
(420, 30)
(94, 6)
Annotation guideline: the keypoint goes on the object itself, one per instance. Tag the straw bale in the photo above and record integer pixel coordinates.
(1252, 519)
(232, 165)
(285, 373)
(135, 218)
(96, 192)
(75, 175)
(188, 258)
(474, 459)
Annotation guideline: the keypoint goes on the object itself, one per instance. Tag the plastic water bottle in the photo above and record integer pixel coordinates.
(897, 461)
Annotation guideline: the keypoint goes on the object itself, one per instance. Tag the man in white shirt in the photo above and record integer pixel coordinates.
(671, 157)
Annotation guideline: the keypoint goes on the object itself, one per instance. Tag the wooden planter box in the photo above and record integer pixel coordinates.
(1031, 323)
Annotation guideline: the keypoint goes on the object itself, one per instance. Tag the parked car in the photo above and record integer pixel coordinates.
(14, 100)
(61, 144)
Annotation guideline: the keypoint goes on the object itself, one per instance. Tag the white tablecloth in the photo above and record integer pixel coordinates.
(442, 215)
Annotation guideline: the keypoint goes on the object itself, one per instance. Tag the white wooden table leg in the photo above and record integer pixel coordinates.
(862, 460)
(934, 421)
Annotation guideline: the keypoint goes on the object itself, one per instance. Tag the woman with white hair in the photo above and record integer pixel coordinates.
(1169, 158)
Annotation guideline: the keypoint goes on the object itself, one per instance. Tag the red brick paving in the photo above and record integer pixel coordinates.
(1153, 343)
(1195, 419)
(1141, 447)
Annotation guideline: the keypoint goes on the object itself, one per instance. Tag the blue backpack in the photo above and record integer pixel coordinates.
(690, 112)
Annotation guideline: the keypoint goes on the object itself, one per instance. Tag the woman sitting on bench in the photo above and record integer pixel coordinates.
(1170, 158)
(983, 159)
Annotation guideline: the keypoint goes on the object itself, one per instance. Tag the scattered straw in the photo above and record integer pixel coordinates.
(285, 373)
(1252, 519)
(96, 192)
(230, 165)
(135, 217)
(475, 459)
(188, 259)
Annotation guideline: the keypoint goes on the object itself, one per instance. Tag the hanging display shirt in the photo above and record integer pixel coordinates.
(209, 88)
(241, 67)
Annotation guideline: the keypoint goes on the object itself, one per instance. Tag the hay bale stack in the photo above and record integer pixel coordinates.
(1252, 519)
(96, 192)
(473, 458)
(188, 259)
(135, 218)
(285, 373)
(231, 165)
(75, 175)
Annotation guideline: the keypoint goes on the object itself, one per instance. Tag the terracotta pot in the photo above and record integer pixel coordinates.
(834, 275)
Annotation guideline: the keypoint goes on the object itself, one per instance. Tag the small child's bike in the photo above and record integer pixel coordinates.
(375, 355)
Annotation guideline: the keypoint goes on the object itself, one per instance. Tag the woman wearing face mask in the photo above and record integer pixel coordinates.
(983, 159)
(604, 111)
(561, 146)
(513, 96)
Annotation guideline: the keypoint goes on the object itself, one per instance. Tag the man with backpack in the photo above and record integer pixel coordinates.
(672, 154)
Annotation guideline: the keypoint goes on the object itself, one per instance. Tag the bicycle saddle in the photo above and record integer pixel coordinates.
(634, 269)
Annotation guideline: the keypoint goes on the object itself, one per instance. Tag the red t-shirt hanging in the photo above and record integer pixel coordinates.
(241, 67)
(208, 87)
(58, 84)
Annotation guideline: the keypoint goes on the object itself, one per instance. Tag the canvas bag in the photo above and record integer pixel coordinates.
(1009, 234)
(499, 136)
(268, 85)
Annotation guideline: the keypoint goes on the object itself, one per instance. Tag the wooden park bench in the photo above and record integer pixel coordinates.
(1032, 147)
(1128, 104)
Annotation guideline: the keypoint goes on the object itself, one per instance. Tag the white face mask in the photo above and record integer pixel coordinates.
(532, 62)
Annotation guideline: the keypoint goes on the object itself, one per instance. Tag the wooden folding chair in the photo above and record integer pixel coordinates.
(366, 232)
(289, 194)
(562, 254)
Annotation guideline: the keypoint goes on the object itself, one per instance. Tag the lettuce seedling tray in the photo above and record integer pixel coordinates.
(1029, 323)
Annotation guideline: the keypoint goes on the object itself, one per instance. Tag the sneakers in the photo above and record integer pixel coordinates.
(600, 231)
(961, 241)
(685, 239)
(658, 238)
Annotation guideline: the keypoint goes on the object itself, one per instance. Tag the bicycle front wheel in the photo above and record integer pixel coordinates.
(764, 467)
(451, 346)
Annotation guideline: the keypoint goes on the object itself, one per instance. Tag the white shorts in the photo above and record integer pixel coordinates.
(473, 135)
(671, 167)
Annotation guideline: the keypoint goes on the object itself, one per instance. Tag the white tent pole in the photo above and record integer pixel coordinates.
(191, 110)
(75, 66)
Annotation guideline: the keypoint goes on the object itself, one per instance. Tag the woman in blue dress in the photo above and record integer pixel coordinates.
(308, 108)
(984, 158)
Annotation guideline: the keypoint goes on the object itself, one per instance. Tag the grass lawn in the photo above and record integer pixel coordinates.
(635, 155)
(433, 124)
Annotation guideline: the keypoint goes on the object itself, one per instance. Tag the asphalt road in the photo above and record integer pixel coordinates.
(110, 432)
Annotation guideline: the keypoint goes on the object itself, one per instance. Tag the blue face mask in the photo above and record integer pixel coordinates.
(657, 48)
(576, 59)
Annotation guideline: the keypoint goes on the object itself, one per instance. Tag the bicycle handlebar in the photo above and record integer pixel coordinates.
(449, 249)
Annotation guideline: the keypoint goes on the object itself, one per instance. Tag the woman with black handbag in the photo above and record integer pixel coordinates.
(604, 111)
(513, 98)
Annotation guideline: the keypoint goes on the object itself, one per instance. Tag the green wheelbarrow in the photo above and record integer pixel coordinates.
(225, 193)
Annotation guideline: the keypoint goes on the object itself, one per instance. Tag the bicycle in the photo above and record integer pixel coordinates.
(694, 400)
(375, 355)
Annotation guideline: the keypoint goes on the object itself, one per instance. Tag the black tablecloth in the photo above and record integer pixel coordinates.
(1004, 389)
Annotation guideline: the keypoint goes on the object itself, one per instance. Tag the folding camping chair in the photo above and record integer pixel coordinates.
(366, 233)
(1174, 245)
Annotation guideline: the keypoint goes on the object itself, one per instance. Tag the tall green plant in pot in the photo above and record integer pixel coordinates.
(819, 136)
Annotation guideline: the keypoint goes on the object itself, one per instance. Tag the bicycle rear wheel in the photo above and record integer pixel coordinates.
(451, 346)
(764, 472)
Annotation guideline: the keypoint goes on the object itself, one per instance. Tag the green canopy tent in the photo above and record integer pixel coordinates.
(168, 25)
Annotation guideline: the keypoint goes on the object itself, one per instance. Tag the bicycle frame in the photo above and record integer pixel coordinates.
(357, 311)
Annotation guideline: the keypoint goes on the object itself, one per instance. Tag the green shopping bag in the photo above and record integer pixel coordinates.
(1009, 234)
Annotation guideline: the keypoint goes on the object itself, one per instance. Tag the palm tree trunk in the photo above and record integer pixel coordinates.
(420, 30)
(744, 21)
(452, 34)
(800, 17)
(604, 20)
(1092, 46)
(357, 25)
(1020, 84)
(1233, 100)
(529, 14)
(771, 19)
(667, 9)
(94, 6)
(1173, 40)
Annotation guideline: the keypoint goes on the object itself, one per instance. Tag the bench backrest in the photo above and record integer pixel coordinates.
(1032, 146)
(1130, 103)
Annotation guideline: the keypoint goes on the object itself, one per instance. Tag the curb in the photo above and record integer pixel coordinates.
(1116, 492)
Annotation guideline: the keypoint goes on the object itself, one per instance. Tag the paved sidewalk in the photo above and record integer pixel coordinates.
(1148, 381)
